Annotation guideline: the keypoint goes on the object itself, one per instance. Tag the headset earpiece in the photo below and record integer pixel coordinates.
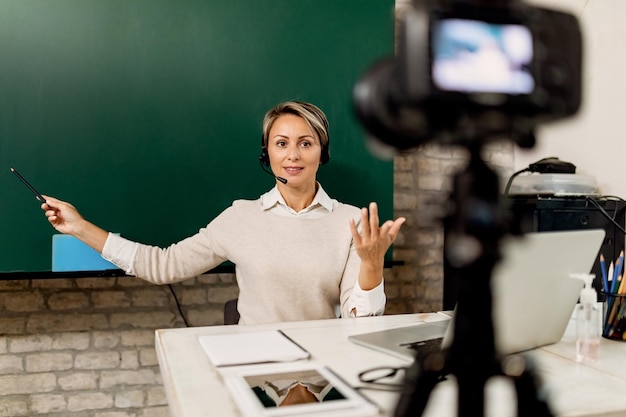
(264, 158)
(325, 154)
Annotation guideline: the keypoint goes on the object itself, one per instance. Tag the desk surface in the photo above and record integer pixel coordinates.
(194, 388)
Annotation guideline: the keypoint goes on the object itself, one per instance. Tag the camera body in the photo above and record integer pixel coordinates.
(468, 71)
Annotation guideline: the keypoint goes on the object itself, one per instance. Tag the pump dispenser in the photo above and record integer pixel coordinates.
(588, 321)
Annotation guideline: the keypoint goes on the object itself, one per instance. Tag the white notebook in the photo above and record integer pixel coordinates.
(251, 348)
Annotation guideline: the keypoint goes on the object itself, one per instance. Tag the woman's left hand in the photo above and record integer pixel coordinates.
(374, 240)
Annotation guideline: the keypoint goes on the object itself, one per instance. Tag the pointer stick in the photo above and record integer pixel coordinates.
(39, 196)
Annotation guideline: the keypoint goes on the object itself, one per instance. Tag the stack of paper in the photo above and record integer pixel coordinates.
(251, 348)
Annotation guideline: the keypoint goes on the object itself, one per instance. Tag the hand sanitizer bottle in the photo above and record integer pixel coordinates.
(588, 324)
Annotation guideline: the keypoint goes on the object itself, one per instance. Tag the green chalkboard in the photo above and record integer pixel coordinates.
(146, 114)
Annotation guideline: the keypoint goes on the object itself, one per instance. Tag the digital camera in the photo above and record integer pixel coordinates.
(468, 71)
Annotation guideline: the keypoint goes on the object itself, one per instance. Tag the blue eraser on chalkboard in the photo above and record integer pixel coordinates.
(70, 254)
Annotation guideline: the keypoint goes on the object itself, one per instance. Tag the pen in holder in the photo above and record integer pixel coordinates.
(614, 313)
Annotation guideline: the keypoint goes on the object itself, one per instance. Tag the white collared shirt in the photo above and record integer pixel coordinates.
(322, 204)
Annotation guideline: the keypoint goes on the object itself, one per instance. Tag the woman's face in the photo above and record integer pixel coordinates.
(294, 150)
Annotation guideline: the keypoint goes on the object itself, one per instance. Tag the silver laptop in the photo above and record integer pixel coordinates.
(533, 296)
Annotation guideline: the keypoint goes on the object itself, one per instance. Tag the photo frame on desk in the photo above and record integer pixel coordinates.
(293, 389)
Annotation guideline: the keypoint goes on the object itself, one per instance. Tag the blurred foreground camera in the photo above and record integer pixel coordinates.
(467, 72)
(470, 71)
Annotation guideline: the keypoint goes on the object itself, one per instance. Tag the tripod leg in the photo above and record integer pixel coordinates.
(471, 394)
(531, 401)
(421, 379)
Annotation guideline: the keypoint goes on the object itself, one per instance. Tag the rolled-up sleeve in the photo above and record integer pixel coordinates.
(367, 303)
(121, 252)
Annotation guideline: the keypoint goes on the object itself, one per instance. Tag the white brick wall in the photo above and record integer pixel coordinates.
(87, 350)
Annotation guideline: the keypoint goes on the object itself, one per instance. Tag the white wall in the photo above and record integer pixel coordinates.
(593, 140)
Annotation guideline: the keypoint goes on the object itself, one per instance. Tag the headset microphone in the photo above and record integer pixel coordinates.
(281, 179)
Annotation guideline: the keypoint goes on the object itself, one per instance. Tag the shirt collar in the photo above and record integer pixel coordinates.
(273, 197)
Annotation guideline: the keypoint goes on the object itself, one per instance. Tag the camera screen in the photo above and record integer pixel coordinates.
(473, 56)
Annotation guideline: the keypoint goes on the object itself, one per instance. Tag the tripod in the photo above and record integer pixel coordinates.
(475, 225)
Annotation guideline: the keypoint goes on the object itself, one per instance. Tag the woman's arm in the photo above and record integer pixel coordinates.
(184, 259)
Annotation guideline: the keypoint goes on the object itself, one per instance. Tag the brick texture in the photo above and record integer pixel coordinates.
(92, 355)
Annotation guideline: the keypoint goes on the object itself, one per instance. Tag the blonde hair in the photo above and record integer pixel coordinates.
(313, 115)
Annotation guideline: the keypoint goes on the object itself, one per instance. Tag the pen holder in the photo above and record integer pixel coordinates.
(614, 316)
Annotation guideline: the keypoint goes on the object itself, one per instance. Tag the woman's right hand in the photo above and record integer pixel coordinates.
(62, 216)
(66, 219)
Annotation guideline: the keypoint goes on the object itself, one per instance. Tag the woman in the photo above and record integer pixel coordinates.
(298, 254)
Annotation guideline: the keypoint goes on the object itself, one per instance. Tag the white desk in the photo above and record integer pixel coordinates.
(195, 389)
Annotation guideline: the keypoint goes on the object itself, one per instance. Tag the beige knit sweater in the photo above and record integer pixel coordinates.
(287, 268)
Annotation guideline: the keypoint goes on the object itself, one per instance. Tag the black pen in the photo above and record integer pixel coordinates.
(37, 194)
